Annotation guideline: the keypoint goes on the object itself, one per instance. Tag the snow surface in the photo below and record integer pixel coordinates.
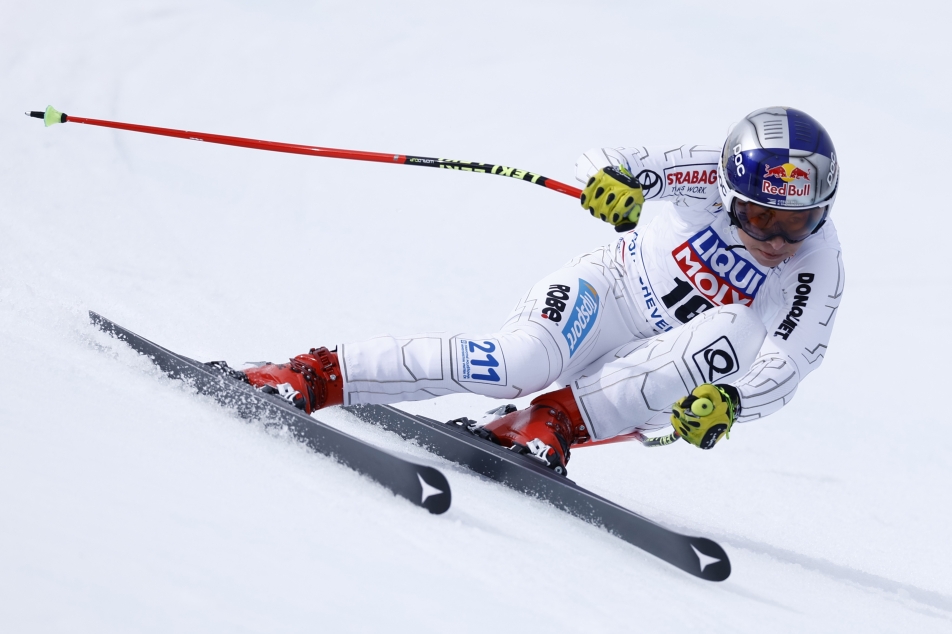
(129, 504)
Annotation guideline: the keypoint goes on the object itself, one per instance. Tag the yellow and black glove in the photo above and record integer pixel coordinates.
(706, 415)
(615, 196)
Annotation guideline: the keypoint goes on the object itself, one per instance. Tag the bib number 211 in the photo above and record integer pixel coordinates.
(480, 361)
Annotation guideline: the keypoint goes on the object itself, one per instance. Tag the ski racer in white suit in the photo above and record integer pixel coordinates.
(712, 313)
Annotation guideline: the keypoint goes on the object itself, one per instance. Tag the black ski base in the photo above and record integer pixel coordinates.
(698, 556)
(420, 484)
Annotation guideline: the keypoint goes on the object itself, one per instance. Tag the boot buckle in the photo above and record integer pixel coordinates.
(538, 450)
(542, 452)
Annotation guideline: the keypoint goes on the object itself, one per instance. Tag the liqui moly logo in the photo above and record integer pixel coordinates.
(722, 276)
(583, 316)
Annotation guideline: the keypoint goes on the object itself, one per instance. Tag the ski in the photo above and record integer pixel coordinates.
(421, 485)
(698, 556)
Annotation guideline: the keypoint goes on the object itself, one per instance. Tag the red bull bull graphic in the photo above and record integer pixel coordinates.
(788, 173)
(723, 276)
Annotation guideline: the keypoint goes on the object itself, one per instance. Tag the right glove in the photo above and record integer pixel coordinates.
(615, 196)
(706, 414)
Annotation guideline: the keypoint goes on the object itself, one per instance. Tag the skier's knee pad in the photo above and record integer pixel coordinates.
(533, 359)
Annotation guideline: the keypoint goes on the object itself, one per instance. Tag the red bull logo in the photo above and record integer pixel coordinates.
(787, 189)
(788, 172)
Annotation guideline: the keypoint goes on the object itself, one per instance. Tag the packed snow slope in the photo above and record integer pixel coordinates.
(129, 504)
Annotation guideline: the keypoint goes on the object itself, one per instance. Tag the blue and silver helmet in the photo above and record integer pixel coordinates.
(780, 158)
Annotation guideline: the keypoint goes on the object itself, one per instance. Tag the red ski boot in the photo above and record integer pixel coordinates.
(545, 430)
(310, 381)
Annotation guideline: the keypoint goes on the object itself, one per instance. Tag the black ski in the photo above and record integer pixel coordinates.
(696, 555)
(422, 485)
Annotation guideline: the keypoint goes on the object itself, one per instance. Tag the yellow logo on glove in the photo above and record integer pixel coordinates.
(706, 415)
(615, 196)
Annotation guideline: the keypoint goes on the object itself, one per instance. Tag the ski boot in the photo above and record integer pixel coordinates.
(545, 430)
(309, 381)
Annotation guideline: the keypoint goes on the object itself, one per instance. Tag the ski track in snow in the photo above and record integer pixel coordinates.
(127, 503)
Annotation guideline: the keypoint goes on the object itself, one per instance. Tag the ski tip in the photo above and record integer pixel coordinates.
(711, 560)
(50, 116)
(435, 493)
(105, 325)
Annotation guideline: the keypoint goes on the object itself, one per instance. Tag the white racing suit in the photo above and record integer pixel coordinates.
(637, 324)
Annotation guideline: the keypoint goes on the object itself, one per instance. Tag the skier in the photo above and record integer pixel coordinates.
(711, 314)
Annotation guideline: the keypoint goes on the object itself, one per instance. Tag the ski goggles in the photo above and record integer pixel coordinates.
(766, 223)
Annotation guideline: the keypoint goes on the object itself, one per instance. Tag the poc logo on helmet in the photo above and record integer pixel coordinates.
(555, 302)
(832, 174)
(739, 160)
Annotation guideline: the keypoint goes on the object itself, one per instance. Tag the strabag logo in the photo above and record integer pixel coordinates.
(684, 181)
(717, 360)
(722, 276)
(692, 177)
(582, 317)
(799, 303)
(480, 361)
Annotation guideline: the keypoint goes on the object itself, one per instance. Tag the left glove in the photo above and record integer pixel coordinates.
(706, 415)
(615, 196)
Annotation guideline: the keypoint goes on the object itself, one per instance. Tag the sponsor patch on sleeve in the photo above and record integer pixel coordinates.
(692, 181)
(800, 299)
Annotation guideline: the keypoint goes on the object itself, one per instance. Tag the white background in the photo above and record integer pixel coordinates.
(129, 504)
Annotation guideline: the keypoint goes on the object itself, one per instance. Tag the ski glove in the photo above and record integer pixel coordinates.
(706, 415)
(615, 196)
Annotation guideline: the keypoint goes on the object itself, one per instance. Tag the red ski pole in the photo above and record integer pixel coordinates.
(52, 116)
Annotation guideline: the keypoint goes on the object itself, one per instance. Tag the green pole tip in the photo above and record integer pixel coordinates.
(53, 116)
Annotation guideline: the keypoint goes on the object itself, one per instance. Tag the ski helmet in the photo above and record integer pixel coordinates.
(779, 159)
